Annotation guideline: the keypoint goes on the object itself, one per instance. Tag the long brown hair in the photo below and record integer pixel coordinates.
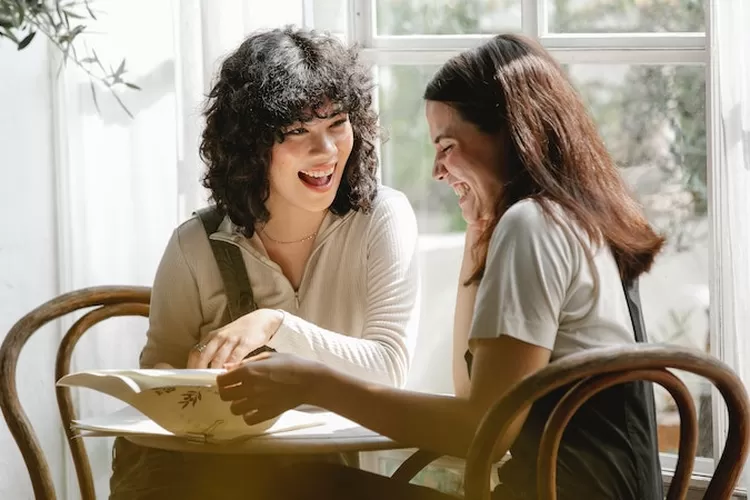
(511, 87)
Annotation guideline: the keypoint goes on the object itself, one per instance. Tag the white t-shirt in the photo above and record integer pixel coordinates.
(540, 287)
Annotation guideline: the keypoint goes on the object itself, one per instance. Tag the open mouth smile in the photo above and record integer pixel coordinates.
(318, 179)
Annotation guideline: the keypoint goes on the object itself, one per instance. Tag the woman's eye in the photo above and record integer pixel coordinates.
(296, 131)
(340, 122)
(446, 149)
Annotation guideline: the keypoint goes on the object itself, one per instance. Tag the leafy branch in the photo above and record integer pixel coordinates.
(61, 22)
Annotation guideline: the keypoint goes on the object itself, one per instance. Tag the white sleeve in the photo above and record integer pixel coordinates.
(528, 272)
(383, 353)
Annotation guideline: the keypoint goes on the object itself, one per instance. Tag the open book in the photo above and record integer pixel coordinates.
(183, 403)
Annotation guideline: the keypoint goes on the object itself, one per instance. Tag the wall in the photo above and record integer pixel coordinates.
(28, 248)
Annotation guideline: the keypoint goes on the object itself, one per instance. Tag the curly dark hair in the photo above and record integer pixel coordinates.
(274, 79)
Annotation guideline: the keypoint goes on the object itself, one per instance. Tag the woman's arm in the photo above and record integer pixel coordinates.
(263, 388)
(465, 300)
(382, 353)
(438, 423)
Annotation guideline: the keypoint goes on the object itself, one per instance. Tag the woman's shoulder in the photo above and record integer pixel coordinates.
(529, 217)
(390, 213)
(190, 231)
(539, 225)
(388, 204)
(525, 213)
(388, 197)
(191, 240)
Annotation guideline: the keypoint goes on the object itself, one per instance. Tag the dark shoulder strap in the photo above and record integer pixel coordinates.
(240, 300)
(633, 298)
(650, 478)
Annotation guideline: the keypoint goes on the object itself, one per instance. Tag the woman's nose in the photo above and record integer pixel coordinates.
(438, 170)
(324, 144)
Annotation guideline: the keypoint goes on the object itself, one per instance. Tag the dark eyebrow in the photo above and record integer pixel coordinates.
(302, 121)
(440, 137)
(330, 115)
(334, 114)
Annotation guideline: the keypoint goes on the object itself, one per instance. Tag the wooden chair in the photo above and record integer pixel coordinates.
(591, 372)
(108, 302)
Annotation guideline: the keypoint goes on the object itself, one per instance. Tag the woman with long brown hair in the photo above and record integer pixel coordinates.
(554, 242)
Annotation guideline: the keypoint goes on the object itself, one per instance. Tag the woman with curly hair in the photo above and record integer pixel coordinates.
(329, 254)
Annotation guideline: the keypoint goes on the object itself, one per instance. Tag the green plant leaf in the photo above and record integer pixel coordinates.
(73, 15)
(88, 8)
(59, 12)
(98, 61)
(120, 70)
(9, 34)
(122, 104)
(21, 12)
(93, 96)
(26, 41)
(77, 31)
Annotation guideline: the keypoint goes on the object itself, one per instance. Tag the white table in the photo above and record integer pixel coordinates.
(337, 435)
(330, 433)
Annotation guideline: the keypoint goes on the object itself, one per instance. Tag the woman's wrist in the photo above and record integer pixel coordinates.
(321, 386)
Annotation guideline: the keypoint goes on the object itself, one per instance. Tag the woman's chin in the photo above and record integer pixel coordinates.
(475, 220)
(469, 215)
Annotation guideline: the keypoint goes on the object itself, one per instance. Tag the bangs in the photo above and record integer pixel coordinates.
(304, 90)
(319, 107)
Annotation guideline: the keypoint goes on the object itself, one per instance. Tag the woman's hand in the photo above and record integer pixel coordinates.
(269, 384)
(230, 344)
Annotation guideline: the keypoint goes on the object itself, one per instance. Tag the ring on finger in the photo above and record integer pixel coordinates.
(200, 347)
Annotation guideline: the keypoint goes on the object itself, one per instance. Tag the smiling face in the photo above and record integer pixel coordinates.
(467, 159)
(307, 166)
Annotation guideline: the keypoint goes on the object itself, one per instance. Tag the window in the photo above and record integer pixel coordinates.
(641, 68)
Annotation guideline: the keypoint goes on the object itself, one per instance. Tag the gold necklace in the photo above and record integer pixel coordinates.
(308, 237)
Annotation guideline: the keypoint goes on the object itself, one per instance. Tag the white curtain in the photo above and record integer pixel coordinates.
(730, 106)
(118, 188)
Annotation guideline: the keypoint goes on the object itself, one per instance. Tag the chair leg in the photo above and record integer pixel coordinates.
(413, 465)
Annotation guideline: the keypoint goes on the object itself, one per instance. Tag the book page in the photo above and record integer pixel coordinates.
(180, 401)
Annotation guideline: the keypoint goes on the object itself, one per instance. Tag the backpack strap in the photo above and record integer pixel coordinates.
(240, 300)
(633, 299)
(647, 470)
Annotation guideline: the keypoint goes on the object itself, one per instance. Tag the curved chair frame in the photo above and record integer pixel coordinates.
(110, 301)
(593, 371)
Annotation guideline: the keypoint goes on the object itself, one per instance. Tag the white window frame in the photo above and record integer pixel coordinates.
(603, 48)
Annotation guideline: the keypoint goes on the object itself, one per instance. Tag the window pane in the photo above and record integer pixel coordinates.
(653, 121)
(329, 15)
(407, 152)
(633, 16)
(447, 17)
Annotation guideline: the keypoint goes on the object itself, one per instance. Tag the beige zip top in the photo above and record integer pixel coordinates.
(356, 309)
